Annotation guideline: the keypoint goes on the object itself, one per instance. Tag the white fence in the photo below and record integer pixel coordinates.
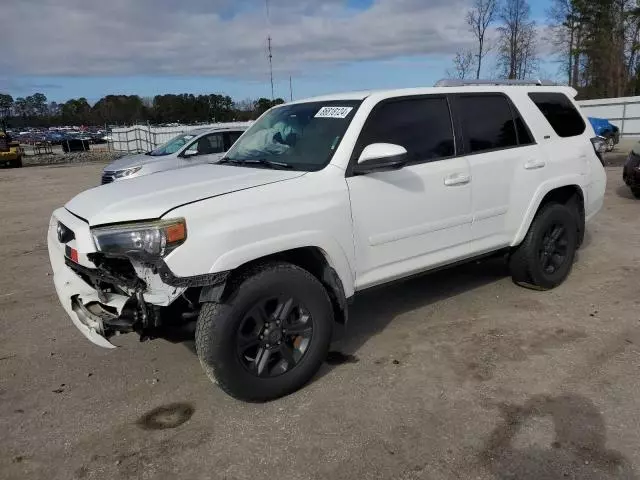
(142, 138)
(623, 112)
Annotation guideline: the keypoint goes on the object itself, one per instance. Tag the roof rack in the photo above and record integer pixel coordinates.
(455, 82)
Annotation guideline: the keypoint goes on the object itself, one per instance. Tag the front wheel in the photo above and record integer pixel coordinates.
(269, 337)
(545, 257)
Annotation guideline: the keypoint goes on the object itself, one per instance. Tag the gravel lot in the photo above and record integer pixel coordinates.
(458, 374)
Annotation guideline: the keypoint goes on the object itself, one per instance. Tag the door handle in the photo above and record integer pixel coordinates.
(456, 179)
(534, 164)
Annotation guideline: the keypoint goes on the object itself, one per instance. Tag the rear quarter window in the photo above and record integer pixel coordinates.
(560, 113)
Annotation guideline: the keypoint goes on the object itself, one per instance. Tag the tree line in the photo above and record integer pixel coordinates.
(36, 111)
(596, 42)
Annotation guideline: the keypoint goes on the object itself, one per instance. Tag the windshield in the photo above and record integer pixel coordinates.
(302, 136)
(172, 146)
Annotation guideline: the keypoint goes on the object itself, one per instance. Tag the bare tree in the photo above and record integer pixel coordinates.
(517, 43)
(566, 36)
(481, 15)
(462, 65)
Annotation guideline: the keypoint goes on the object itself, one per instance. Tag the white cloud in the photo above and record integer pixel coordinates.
(218, 37)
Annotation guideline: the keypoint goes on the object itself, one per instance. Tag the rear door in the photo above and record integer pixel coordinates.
(504, 162)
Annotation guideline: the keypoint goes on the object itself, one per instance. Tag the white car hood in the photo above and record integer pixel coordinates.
(151, 196)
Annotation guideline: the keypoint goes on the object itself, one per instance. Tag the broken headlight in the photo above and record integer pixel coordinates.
(155, 238)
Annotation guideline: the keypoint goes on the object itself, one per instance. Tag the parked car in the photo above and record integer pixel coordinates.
(607, 130)
(321, 199)
(631, 171)
(185, 150)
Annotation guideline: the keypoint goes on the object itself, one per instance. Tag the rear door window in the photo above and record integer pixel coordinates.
(487, 123)
(422, 125)
(560, 113)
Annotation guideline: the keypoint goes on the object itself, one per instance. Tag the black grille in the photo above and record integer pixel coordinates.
(107, 178)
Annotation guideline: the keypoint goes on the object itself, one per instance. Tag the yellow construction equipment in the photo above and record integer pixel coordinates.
(10, 151)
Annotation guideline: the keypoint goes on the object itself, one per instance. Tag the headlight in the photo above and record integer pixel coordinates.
(125, 173)
(149, 238)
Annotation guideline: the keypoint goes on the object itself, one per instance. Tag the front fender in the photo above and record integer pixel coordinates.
(333, 252)
(541, 192)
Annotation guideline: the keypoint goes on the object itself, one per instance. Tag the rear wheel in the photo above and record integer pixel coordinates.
(545, 257)
(269, 337)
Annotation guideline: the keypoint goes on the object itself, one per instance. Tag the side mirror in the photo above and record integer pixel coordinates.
(189, 153)
(381, 157)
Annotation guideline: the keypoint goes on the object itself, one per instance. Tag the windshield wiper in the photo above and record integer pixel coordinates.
(260, 161)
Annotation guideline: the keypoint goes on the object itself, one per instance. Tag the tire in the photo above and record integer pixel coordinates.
(17, 163)
(611, 144)
(530, 265)
(244, 316)
(636, 192)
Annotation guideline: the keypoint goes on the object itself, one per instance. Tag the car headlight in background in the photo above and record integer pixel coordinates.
(155, 238)
(126, 172)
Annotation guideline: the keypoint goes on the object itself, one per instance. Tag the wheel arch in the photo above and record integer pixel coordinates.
(566, 193)
(313, 259)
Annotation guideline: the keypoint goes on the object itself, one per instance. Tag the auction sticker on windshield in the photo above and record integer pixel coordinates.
(333, 112)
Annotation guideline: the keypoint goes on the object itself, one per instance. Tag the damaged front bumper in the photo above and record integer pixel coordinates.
(106, 297)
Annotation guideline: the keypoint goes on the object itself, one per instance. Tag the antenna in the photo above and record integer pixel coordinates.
(269, 49)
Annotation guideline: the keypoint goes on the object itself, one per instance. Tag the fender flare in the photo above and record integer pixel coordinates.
(542, 191)
(333, 253)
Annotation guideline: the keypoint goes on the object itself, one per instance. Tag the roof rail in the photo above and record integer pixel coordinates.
(455, 82)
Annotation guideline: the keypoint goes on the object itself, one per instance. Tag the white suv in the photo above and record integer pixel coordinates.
(321, 199)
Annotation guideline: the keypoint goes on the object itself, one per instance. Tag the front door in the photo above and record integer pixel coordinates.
(209, 147)
(419, 216)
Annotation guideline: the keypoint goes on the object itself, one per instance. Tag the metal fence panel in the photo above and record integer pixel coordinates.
(142, 138)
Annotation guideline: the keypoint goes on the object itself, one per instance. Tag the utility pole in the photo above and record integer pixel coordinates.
(290, 89)
(269, 49)
(270, 65)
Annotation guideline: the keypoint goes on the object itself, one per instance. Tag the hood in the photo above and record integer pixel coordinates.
(151, 196)
(131, 161)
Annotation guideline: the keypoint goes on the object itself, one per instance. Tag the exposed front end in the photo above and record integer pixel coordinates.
(108, 294)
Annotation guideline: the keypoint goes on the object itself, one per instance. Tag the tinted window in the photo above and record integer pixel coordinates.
(233, 137)
(560, 112)
(524, 137)
(487, 122)
(210, 144)
(422, 126)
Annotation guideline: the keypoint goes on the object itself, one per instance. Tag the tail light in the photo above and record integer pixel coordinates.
(599, 146)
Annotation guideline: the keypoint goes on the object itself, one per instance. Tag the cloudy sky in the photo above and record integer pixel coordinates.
(72, 48)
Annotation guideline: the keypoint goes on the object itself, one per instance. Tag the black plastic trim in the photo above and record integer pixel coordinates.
(102, 275)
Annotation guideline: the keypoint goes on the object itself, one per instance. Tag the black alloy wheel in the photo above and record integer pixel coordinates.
(554, 249)
(274, 336)
(269, 335)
